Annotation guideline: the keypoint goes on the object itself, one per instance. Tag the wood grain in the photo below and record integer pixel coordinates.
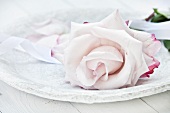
(160, 102)
(14, 101)
(9, 12)
(132, 106)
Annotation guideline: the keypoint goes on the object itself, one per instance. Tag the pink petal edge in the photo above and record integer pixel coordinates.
(151, 69)
(127, 22)
(52, 53)
(154, 37)
(85, 22)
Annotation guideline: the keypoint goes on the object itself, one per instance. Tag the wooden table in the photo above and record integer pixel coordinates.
(15, 101)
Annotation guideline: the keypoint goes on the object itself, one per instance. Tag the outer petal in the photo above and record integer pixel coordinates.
(114, 21)
(154, 47)
(63, 38)
(56, 43)
(155, 64)
(150, 45)
(74, 53)
(149, 60)
(49, 41)
(81, 29)
(61, 44)
(51, 27)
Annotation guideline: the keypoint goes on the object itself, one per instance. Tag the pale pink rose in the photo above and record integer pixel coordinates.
(108, 54)
(58, 49)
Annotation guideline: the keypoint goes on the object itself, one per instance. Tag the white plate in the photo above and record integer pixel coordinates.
(27, 74)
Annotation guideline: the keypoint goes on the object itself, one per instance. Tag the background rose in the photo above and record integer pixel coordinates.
(108, 54)
(53, 34)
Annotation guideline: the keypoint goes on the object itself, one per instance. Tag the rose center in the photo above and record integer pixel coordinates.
(103, 61)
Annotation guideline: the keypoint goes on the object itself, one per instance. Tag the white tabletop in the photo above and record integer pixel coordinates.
(15, 101)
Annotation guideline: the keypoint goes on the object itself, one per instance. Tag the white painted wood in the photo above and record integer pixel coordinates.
(95, 3)
(14, 101)
(135, 9)
(9, 12)
(132, 106)
(41, 6)
(160, 102)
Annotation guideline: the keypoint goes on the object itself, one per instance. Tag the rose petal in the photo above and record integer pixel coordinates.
(127, 42)
(51, 27)
(35, 37)
(127, 22)
(149, 60)
(92, 71)
(49, 41)
(82, 46)
(106, 42)
(153, 48)
(59, 56)
(81, 29)
(63, 38)
(62, 43)
(140, 35)
(42, 24)
(85, 75)
(150, 45)
(155, 65)
(151, 68)
(114, 21)
(119, 79)
(104, 55)
(105, 52)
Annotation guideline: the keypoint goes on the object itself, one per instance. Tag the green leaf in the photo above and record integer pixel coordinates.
(156, 11)
(167, 44)
(159, 17)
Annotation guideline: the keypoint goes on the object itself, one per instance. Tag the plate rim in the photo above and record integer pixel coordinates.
(64, 96)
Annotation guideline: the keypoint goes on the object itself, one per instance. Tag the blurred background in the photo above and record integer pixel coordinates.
(12, 10)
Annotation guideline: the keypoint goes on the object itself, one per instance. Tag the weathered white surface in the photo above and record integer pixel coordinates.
(11, 10)
(14, 101)
(161, 102)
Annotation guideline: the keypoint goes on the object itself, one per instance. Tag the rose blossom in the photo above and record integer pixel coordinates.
(108, 54)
